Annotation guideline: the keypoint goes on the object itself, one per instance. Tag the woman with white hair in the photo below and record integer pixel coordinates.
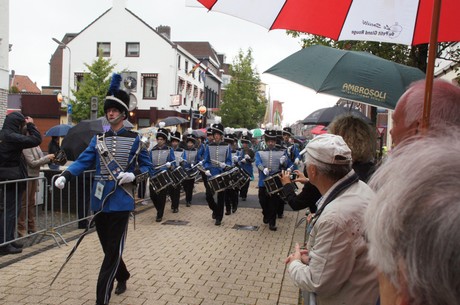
(413, 223)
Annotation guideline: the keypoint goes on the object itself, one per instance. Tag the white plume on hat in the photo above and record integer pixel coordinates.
(245, 132)
(269, 126)
(227, 130)
(173, 129)
(161, 124)
(217, 119)
(189, 130)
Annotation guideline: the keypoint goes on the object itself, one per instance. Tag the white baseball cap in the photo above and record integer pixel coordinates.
(329, 149)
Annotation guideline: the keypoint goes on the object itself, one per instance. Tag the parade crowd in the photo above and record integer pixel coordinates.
(375, 233)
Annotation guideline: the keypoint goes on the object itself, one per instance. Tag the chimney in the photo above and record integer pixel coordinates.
(164, 30)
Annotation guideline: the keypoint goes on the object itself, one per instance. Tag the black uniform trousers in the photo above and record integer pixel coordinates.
(269, 204)
(188, 185)
(159, 200)
(231, 199)
(174, 193)
(111, 229)
(244, 189)
(209, 193)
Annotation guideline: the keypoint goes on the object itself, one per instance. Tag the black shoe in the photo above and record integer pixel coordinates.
(121, 287)
(228, 212)
(280, 216)
(272, 228)
(9, 249)
(175, 210)
(234, 210)
(213, 215)
(188, 204)
(243, 198)
(17, 245)
(265, 220)
(218, 222)
(159, 219)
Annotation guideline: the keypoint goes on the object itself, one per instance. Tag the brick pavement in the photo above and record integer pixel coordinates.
(198, 263)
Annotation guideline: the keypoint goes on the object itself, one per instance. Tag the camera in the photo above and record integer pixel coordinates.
(293, 176)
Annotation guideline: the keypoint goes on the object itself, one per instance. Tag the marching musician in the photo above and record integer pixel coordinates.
(190, 157)
(231, 194)
(246, 157)
(115, 154)
(201, 152)
(270, 162)
(217, 158)
(162, 157)
(174, 190)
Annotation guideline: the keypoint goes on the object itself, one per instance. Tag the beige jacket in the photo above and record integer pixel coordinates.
(338, 271)
(34, 159)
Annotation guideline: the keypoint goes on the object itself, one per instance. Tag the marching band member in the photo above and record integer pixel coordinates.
(115, 154)
(246, 160)
(231, 194)
(174, 190)
(190, 157)
(201, 152)
(270, 162)
(217, 158)
(162, 157)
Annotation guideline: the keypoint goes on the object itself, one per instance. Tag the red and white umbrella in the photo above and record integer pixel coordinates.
(408, 22)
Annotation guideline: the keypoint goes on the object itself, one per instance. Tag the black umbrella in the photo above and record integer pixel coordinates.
(79, 136)
(58, 130)
(173, 120)
(324, 116)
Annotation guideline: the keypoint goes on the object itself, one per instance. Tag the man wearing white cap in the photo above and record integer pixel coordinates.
(334, 268)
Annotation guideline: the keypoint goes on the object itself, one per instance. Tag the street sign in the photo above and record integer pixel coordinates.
(69, 108)
(381, 130)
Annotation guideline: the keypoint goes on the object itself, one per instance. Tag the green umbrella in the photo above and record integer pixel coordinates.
(358, 76)
(257, 132)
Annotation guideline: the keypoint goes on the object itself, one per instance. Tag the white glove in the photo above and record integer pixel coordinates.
(266, 171)
(60, 182)
(207, 173)
(168, 164)
(222, 165)
(235, 158)
(247, 156)
(296, 161)
(125, 178)
(283, 159)
(243, 160)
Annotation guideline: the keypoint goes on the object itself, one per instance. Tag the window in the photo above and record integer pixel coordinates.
(150, 82)
(132, 49)
(104, 48)
(186, 67)
(178, 62)
(79, 79)
(142, 123)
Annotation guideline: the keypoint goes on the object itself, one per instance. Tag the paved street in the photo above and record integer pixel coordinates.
(196, 263)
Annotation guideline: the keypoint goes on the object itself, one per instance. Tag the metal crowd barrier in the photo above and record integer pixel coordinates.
(56, 211)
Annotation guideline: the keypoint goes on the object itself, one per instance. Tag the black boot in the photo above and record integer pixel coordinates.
(121, 287)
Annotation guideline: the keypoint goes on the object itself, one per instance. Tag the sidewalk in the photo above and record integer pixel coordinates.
(196, 263)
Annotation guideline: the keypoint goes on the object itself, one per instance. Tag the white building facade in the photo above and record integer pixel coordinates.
(4, 50)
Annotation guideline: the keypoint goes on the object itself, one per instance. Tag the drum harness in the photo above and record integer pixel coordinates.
(114, 170)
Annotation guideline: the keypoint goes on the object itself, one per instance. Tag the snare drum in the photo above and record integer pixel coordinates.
(192, 173)
(221, 182)
(273, 184)
(160, 181)
(240, 178)
(178, 175)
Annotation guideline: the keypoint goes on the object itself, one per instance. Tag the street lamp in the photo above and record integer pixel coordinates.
(69, 107)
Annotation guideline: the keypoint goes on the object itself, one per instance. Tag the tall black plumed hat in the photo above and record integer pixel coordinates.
(117, 98)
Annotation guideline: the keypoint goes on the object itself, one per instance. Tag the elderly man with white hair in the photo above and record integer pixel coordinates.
(413, 224)
(334, 268)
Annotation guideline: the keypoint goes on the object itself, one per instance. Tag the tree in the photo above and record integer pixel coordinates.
(95, 83)
(243, 105)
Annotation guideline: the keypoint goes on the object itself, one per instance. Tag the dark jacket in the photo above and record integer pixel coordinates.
(12, 142)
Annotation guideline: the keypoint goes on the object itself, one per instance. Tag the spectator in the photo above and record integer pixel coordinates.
(334, 268)
(407, 116)
(13, 140)
(34, 158)
(53, 148)
(413, 223)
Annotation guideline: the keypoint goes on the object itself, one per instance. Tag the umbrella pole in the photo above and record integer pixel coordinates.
(430, 66)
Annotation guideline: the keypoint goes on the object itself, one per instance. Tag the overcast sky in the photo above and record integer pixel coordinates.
(33, 23)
